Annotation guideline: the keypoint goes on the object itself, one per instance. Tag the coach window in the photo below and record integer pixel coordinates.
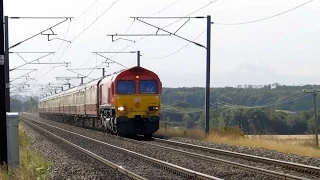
(126, 87)
(148, 87)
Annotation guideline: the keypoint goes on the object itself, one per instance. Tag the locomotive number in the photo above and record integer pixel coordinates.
(137, 100)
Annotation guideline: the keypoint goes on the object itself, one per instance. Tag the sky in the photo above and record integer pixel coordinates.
(283, 49)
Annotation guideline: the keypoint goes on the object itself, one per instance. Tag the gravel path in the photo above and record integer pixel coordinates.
(66, 163)
(143, 168)
(218, 170)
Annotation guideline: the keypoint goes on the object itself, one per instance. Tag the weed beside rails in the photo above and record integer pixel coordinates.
(235, 136)
(32, 165)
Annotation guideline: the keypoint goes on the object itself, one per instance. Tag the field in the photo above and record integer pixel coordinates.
(32, 165)
(293, 144)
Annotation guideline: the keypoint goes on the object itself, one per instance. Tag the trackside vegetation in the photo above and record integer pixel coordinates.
(32, 165)
(298, 145)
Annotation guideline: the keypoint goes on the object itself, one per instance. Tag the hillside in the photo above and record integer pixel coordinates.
(247, 95)
(276, 109)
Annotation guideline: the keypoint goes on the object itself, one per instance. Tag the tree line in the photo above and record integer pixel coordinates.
(28, 106)
(268, 109)
(247, 95)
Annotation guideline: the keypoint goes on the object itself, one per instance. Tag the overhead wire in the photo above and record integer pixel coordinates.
(270, 104)
(202, 7)
(175, 2)
(64, 37)
(262, 19)
(285, 99)
(149, 16)
(96, 19)
(176, 50)
(197, 10)
(111, 46)
(83, 31)
(234, 24)
(86, 9)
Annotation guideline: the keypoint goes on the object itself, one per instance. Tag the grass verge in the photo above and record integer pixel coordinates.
(32, 165)
(234, 136)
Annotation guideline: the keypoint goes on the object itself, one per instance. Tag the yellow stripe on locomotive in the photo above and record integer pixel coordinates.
(137, 105)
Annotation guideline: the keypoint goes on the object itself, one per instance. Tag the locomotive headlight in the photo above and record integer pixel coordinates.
(153, 108)
(120, 108)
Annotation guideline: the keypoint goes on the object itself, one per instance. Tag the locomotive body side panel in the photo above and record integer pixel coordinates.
(106, 92)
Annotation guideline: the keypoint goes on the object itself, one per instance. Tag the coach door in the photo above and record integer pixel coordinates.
(100, 94)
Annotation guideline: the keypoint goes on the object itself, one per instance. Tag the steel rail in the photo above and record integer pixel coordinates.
(216, 160)
(162, 164)
(310, 170)
(92, 155)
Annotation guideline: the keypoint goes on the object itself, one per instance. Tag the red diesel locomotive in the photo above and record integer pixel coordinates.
(123, 103)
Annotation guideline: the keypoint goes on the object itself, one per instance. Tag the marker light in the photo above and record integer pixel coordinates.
(137, 77)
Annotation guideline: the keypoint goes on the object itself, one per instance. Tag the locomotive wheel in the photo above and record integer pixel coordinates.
(108, 131)
(114, 127)
(104, 129)
(148, 136)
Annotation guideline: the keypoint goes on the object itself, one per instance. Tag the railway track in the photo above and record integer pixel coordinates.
(274, 174)
(104, 161)
(309, 170)
(180, 171)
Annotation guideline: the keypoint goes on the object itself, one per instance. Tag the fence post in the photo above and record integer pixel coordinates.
(13, 140)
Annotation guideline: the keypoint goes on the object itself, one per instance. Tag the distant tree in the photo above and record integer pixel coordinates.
(190, 123)
(182, 104)
(15, 105)
(31, 105)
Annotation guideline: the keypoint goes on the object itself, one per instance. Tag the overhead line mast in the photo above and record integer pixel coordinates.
(316, 125)
(3, 122)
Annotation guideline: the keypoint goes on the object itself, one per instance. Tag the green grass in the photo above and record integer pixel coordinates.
(33, 166)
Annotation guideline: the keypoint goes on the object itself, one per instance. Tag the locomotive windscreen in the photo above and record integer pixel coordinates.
(126, 87)
(148, 87)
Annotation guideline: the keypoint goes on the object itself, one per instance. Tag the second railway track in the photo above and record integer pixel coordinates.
(150, 168)
(300, 168)
(214, 161)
